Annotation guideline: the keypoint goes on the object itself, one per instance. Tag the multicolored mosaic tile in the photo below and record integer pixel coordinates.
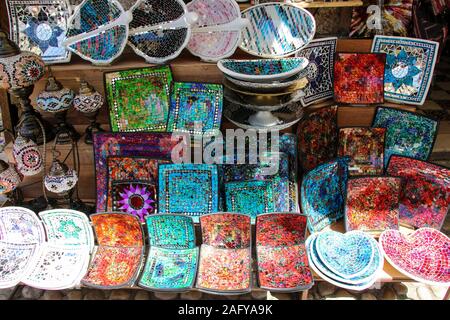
(280, 229)
(226, 230)
(20, 225)
(171, 231)
(117, 229)
(136, 197)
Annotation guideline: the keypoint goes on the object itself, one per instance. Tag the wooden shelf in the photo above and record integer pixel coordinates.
(318, 4)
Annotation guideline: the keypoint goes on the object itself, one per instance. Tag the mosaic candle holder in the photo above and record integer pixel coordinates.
(28, 158)
(61, 180)
(9, 178)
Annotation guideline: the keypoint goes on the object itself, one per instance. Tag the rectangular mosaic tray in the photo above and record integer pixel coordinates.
(171, 231)
(226, 230)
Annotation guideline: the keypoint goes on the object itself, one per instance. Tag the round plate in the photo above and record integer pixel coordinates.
(298, 85)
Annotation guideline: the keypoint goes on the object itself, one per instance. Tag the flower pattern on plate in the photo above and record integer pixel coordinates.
(171, 231)
(226, 230)
(136, 198)
(117, 229)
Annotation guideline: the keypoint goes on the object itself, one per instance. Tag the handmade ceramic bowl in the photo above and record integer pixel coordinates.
(21, 70)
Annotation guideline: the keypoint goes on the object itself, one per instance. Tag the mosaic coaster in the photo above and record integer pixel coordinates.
(409, 67)
(372, 204)
(317, 137)
(190, 189)
(139, 99)
(358, 78)
(150, 145)
(171, 231)
(425, 196)
(226, 230)
(365, 147)
(117, 229)
(195, 107)
(423, 255)
(224, 271)
(407, 133)
(169, 269)
(113, 267)
(39, 26)
(323, 194)
(280, 229)
(320, 70)
(20, 225)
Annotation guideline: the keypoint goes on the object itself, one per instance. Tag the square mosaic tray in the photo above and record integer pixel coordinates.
(365, 147)
(409, 67)
(372, 204)
(193, 105)
(20, 225)
(190, 189)
(117, 229)
(226, 230)
(280, 229)
(171, 231)
(139, 99)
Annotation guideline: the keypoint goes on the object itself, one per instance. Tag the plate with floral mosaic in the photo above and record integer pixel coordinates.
(190, 189)
(171, 231)
(169, 269)
(407, 133)
(39, 26)
(113, 267)
(117, 229)
(280, 229)
(425, 197)
(372, 204)
(358, 78)
(20, 225)
(226, 230)
(365, 147)
(317, 137)
(195, 107)
(139, 99)
(422, 255)
(323, 194)
(409, 67)
(224, 271)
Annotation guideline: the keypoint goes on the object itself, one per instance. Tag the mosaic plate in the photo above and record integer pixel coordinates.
(138, 99)
(320, 70)
(190, 189)
(358, 78)
(224, 271)
(169, 269)
(347, 255)
(423, 255)
(226, 230)
(276, 86)
(171, 231)
(117, 229)
(20, 225)
(134, 197)
(372, 204)
(276, 30)
(425, 196)
(365, 147)
(407, 133)
(280, 229)
(323, 194)
(317, 137)
(409, 67)
(39, 26)
(195, 108)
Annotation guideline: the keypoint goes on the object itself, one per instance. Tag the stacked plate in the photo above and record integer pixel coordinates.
(351, 261)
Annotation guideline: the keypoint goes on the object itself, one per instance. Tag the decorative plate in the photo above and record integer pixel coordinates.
(358, 78)
(269, 86)
(320, 70)
(423, 255)
(323, 194)
(39, 26)
(425, 196)
(226, 230)
(365, 147)
(114, 267)
(217, 32)
(372, 204)
(317, 137)
(117, 229)
(195, 108)
(67, 228)
(171, 231)
(409, 67)
(138, 99)
(347, 255)
(160, 29)
(20, 225)
(59, 267)
(263, 70)
(224, 271)
(276, 30)
(169, 269)
(280, 229)
(407, 133)
(98, 30)
(284, 268)
(151, 145)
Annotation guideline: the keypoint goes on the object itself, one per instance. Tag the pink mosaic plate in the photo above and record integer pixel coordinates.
(423, 255)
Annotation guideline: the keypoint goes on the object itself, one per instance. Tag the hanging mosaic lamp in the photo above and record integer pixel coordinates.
(9, 178)
(28, 158)
(60, 180)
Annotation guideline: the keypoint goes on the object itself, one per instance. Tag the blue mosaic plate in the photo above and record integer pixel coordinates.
(171, 231)
(347, 255)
